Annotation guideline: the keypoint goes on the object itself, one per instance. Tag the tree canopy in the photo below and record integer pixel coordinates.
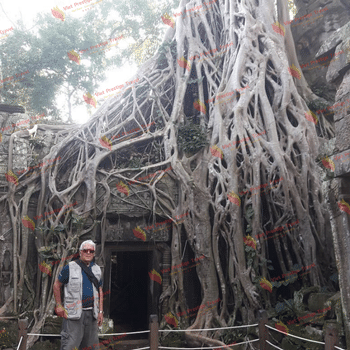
(70, 56)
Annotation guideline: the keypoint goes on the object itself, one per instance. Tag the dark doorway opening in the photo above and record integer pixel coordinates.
(129, 291)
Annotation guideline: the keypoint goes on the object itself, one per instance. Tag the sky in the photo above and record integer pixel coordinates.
(27, 10)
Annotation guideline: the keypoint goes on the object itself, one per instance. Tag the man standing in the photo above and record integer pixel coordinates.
(83, 301)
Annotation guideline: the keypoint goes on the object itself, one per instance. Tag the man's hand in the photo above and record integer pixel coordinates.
(61, 311)
(100, 319)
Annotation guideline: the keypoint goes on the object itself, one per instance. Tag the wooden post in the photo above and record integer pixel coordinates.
(331, 337)
(153, 335)
(22, 333)
(263, 331)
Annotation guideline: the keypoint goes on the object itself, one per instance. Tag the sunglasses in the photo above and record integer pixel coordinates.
(88, 251)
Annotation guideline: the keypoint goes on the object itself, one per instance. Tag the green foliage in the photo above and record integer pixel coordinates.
(292, 8)
(249, 214)
(47, 345)
(250, 255)
(8, 334)
(193, 81)
(284, 306)
(144, 50)
(46, 252)
(320, 90)
(250, 252)
(163, 49)
(289, 278)
(191, 138)
(140, 21)
(315, 105)
(36, 143)
(135, 163)
(173, 339)
(265, 261)
(77, 221)
(230, 336)
(43, 54)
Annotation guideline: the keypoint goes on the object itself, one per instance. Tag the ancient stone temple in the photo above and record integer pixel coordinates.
(134, 249)
(337, 48)
(323, 18)
(137, 241)
(323, 48)
(11, 120)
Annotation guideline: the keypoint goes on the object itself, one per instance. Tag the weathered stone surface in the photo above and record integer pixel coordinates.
(126, 202)
(342, 105)
(310, 34)
(10, 123)
(342, 128)
(317, 301)
(334, 40)
(340, 63)
(342, 163)
(336, 304)
(343, 92)
(6, 257)
(326, 147)
(137, 231)
(342, 112)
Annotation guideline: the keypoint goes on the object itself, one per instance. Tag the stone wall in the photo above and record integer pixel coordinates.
(9, 123)
(325, 18)
(337, 49)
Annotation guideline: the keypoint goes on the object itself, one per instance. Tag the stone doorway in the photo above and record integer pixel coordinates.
(129, 292)
(130, 295)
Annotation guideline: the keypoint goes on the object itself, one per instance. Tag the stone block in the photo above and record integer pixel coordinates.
(340, 63)
(342, 163)
(317, 301)
(326, 146)
(343, 92)
(334, 40)
(342, 130)
(311, 33)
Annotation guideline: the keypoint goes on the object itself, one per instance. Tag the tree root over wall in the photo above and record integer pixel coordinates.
(257, 173)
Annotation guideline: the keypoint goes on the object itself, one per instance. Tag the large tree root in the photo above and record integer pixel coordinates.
(257, 174)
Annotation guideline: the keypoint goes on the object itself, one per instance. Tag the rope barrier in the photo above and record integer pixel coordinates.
(45, 335)
(294, 336)
(205, 329)
(209, 347)
(193, 330)
(107, 334)
(205, 348)
(273, 345)
(100, 335)
(20, 342)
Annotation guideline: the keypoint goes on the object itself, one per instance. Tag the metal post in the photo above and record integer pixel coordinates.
(263, 331)
(331, 337)
(22, 333)
(153, 335)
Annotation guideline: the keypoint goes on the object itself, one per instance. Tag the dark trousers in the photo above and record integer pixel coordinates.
(80, 334)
